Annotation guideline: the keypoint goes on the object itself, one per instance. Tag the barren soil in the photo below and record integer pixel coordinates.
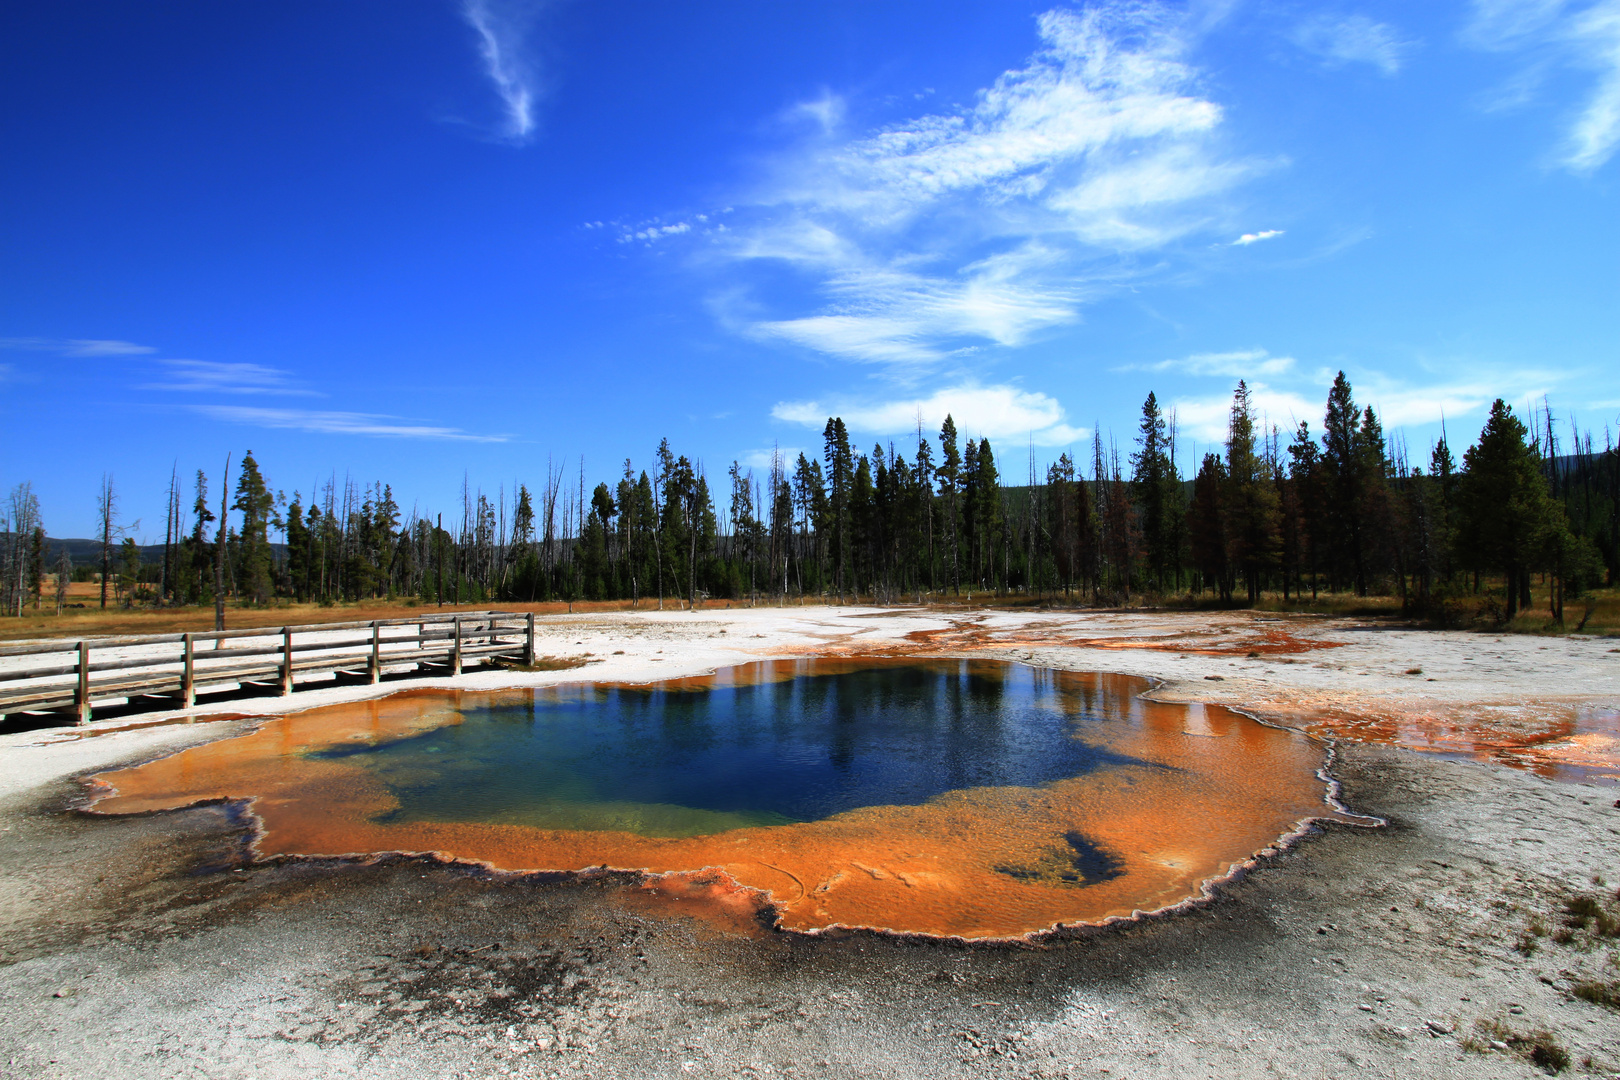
(153, 946)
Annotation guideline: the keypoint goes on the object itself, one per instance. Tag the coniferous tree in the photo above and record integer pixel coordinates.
(949, 477)
(1154, 486)
(254, 502)
(1509, 523)
(1250, 499)
(840, 474)
(1341, 465)
(1207, 527)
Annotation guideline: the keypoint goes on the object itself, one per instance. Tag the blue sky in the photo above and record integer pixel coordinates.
(416, 241)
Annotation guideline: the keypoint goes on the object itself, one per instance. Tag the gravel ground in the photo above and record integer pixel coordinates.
(151, 946)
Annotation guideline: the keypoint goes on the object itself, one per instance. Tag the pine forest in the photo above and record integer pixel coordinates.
(1344, 511)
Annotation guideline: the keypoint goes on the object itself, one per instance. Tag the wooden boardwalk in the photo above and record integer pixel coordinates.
(69, 677)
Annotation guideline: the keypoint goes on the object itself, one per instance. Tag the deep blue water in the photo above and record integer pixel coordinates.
(679, 762)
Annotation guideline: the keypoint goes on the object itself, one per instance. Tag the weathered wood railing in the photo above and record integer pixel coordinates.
(145, 665)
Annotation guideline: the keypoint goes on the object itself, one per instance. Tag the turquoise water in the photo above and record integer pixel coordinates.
(665, 761)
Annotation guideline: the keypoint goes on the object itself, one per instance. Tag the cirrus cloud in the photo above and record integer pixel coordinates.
(1000, 412)
(992, 224)
(337, 423)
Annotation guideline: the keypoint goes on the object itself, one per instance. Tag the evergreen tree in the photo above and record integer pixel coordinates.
(1250, 499)
(840, 462)
(1509, 523)
(1443, 473)
(949, 477)
(1154, 485)
(1207, 527)
(988, 520)
(297, 550)
(254, 501)
(1341, 465)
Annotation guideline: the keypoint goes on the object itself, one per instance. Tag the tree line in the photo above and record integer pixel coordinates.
(1345, 510)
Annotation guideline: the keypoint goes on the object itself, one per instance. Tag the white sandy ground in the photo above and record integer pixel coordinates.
(173, 960)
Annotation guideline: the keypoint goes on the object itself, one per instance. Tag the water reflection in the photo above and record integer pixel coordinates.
(748, 753)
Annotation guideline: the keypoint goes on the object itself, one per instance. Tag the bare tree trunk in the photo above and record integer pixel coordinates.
(219, 555)
(107, 504)
(64, 575)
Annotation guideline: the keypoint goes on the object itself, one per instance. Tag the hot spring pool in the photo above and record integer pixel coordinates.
(970, 798)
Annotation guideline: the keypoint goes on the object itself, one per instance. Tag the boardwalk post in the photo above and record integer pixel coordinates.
(188, 677)
(455, 650)
(81, 696)
(528, 642)
(286, 661)
(374, 669)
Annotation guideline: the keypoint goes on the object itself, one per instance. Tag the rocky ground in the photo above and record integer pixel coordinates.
(1456, 940)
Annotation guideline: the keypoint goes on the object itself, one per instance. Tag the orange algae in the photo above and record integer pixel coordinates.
(1214, 787)
(1557, 741)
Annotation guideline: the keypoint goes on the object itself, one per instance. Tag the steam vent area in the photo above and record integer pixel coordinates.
(842, 841)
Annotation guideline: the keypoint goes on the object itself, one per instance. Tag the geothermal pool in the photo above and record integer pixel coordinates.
(970, 798)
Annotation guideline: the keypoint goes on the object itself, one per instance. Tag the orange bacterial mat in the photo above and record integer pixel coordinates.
(1173, 797)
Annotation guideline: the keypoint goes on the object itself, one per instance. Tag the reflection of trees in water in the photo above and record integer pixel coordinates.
(806, 746)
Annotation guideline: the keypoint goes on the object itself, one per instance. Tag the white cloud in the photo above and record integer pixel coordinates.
(1556, 33)
(1353, 39)
(227, 378)
(1255, 237)
(650, 233)
(337, 423)
(1502, 24)
(995, 223)
(1399, 401)
(1595, 34)
(1238, 364)
(761, 459)
(1205, 417)
(77, 346)
(995, 412)
(503, 27)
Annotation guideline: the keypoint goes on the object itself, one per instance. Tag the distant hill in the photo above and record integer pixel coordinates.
(88, 552)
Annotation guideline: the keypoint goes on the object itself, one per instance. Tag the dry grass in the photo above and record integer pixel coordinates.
(1598, 612)
(1538, 1046)
(1599, 608)
(94, 622)
(1598, 993)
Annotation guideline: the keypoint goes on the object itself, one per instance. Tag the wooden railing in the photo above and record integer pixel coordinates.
(177, 665)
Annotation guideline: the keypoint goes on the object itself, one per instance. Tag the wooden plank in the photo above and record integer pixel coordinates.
(286, 661)
(39, 650)
(16, 702)
(41, 672)
(81, 698)
(188, 675)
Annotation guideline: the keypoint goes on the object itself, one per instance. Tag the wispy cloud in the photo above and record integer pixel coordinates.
(503, 28)
(761, 459)
(1255, 237)
(77, 346)
(996, 412)
(1554, 33)
(1204, 416)
(1284, 395)
(651, 232)
(337, 423)
(1353, 39)
(995, 223)
(1237, 364)
(226, 378)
